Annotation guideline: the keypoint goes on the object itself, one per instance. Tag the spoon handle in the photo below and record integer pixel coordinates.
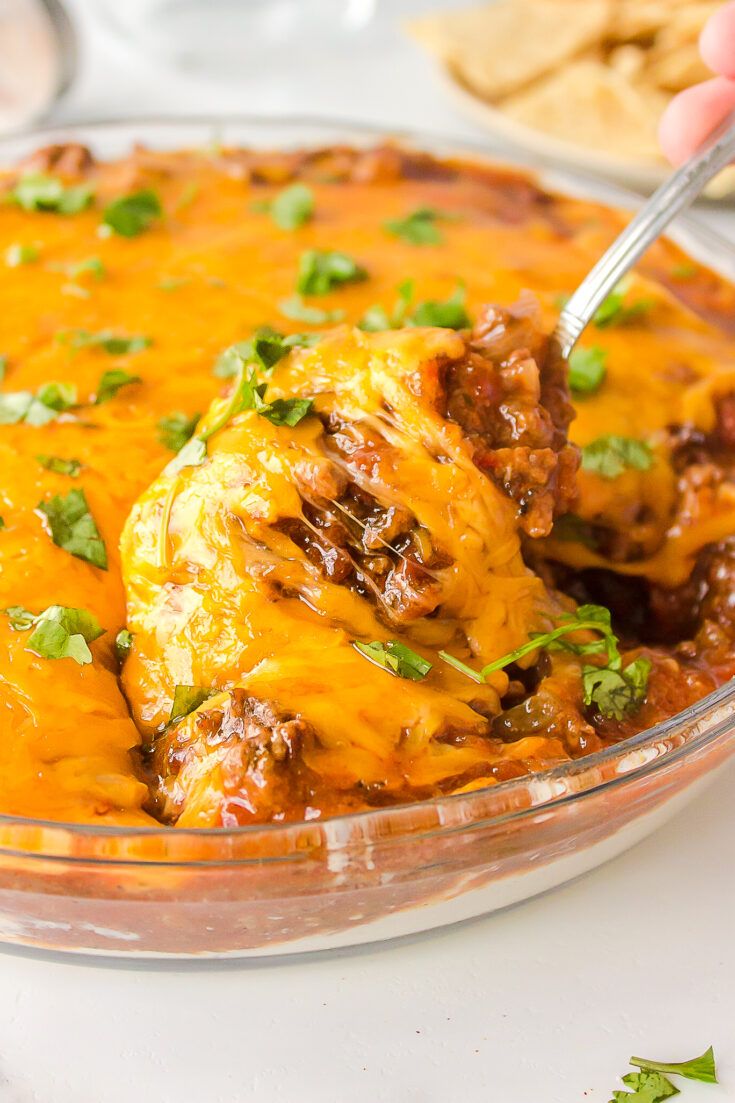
(677, 192)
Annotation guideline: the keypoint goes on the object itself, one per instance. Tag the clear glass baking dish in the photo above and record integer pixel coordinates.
(369, 876)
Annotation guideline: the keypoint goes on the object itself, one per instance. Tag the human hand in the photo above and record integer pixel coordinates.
(695, 113)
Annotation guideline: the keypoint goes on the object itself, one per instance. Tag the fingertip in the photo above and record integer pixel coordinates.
(717, 41)
(692, 115)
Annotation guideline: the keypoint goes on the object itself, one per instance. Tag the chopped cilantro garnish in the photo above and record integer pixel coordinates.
(699, 1068)
(684, 271)
(3, 367)
(50, 400)
(105, 339)
(19, 617)
(419, 227)
(192, 454)
(171, 283)
(91, 266)
(59, 632)
(614, 311)
(610, 688)
(376, 318)
(321, 271)
(132, 214)
(396, 657)
(297, 310)
(587, 370)
(176, 429)
(37, 192)
(292, 207)
(610, 455)
(123, 644)
(287, 411)
(73, 528)
(187, 699)
(569, 527)
(59, 465)
(447, 313)
(17, 254)
(111, 382)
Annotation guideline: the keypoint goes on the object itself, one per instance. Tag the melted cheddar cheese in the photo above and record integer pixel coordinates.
(204, 569)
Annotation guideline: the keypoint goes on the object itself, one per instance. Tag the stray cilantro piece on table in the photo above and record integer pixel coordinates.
(111, 382)
(123, 643)
(18, 254)
(396, 658)
(176, 429)
(587, 370)
(320, 271)
(647, 1087)
(297, 310)
(59, 465)
(292, 207)
(612, 689)
(37, 192)
(613, 311)
(64, 633)
(112, 343)
(188, 699)
(419, 227)
(131, 215)
(610, 455)
(72, 527)
(699, 1068)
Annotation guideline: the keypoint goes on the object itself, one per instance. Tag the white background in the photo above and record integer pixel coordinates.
(541, 1004)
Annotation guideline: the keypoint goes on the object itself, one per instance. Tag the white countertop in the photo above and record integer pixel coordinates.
(543, 1003)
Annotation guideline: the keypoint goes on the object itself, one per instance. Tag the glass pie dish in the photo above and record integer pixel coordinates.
(370, 875)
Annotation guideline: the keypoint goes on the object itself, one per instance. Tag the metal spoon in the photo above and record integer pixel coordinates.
(681, 189)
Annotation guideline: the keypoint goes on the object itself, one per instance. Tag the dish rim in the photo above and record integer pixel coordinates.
(437, 144)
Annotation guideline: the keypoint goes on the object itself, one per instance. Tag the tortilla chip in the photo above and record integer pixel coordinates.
(677, 68)
(590, 105)
(502, 47)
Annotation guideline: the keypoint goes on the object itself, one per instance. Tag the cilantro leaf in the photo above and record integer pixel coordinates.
(684, 271)
(265, 348)
(292, 207)
(396, 658)
(187, 699)
(112, 343)
(123, 644)
(51, 399)
(613, 311)
(610, 455)
(17, 254)
(573, 529)
(132, 214)
(287, 411)
(699, 1068)
(37, 192)
(111, 382)
(320, 271)
(648, 1087)
(3, 366)
(176, 429)
(73, 528)
(91, 266)
(193, 454)
(587, 370)
(376, 318)
(60, 632)
(446, 314)
(297, 310)
(614, 692)
(59, 465)
(20, 618)
(417, 228)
